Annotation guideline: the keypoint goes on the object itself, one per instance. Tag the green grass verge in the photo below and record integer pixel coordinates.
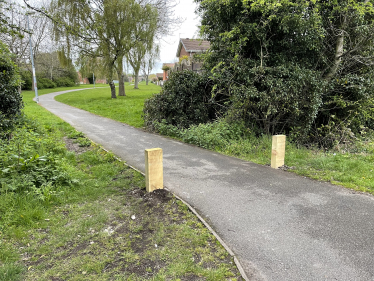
(353, 170)
(126, 109)
(104, 226)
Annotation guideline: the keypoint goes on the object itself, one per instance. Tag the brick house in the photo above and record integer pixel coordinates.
(189, 47)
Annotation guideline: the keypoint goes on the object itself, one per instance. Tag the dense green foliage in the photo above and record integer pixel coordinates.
(65, 82)
(215, 135)
(32, 163)
(45, 83)
(298, 67)
(65, 78)
(184, 101)
(10, 99)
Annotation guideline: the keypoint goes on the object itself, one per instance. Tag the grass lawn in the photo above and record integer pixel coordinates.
(352, 169)
(126, 109)
(101, 226)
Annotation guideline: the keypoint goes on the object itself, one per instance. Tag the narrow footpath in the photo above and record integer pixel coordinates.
(280, 226)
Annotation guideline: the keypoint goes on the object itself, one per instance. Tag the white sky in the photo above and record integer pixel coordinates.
(188, 29)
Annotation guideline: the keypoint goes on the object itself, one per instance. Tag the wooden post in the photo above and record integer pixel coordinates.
(278, 151)
(154, 178)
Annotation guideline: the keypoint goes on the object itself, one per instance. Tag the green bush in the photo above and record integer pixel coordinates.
(72, 74)
(213, 135)
(184, 101)
(26, 77)
(64, 82)
(45, 83)
(274, 100)
(10, 99)
(278, 67)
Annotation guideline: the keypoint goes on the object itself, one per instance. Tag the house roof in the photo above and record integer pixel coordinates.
(193, 45)
(159, 74)
(171, 65)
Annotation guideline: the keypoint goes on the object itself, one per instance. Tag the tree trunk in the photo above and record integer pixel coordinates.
(146, 80)
(339, 50)
(121, 86)
(136, 84)
(338, 56)
(112, 89)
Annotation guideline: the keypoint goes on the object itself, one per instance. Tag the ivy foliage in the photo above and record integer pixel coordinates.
(10, 99)
(303, 68)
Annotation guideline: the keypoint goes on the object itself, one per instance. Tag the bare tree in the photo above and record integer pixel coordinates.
(18, 44)
(110, 28)
(167, 22)
(149, 61)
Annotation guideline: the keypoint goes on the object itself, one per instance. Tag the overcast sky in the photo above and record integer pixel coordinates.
(188, 29)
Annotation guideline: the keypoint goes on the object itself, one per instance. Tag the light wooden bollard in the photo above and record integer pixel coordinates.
(278, 151)
(154, 177)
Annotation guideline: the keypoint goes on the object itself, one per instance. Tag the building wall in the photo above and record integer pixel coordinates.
(183, 52)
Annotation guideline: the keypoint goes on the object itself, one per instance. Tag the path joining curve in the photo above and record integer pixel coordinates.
(280, 226)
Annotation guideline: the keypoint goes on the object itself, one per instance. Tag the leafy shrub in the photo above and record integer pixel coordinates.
(64, 82)
(277, 99)
(26, 77)
(10, 99)
(278, 80)
(83, 142)
(45, 83)
(70, 73)
(184, 100)
(75, 135)
(214, 135)
(32, 159)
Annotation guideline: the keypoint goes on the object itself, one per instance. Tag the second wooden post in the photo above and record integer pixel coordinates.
(278, 151)
(154, 177)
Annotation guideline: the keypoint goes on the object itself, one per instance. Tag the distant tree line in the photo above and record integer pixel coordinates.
(106, 34)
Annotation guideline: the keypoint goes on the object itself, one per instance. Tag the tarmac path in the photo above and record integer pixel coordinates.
(279, 225)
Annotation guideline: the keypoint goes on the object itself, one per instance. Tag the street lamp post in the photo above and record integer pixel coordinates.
(32, 58)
